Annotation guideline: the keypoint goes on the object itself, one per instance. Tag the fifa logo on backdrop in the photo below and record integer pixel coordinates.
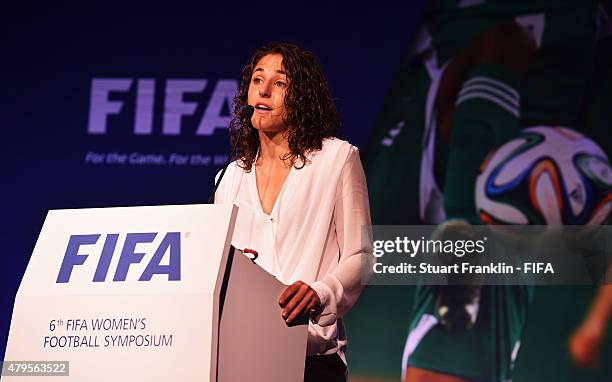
(179, 101)
(81, 248)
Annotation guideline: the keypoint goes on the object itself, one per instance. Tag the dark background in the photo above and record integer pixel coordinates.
(51, 52)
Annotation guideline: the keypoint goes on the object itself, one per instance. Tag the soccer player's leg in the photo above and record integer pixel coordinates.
(392, 158)
(481, 112)
(478, 107)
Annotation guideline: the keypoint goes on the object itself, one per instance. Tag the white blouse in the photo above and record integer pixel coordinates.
(313, 233)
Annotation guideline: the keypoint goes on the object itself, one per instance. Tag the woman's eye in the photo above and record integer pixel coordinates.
(280, 83)
(257, 80)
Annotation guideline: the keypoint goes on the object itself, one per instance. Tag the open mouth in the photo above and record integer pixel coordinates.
(263, 107)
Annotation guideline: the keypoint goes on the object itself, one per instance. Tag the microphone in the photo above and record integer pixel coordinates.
(245, 117)
(247, 113)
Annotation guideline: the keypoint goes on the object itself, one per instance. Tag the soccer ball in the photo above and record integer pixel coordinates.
(546, 176)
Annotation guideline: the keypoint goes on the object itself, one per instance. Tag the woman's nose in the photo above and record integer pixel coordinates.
(264, 90)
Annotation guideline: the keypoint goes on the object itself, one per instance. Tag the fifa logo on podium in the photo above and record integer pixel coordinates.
(171, 243)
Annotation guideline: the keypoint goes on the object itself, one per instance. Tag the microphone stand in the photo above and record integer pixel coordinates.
(247, 113)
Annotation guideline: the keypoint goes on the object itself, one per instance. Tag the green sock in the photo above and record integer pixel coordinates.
(486, 115)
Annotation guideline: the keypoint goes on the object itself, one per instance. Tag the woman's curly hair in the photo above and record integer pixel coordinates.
(310, 113)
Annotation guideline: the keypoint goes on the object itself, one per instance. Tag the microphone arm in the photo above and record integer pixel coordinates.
(247, 113)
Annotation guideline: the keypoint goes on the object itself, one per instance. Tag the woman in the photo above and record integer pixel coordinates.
(302, 198)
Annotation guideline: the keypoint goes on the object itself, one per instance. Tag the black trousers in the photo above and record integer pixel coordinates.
(325, 368)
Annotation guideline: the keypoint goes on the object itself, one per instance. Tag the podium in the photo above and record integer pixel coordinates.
(149, 294)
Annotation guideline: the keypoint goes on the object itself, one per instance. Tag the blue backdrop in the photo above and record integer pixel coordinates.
(121, 104)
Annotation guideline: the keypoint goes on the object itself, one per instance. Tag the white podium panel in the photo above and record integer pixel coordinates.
(125, 294)
(255, 344)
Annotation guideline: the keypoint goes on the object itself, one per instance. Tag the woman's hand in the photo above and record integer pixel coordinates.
(298, 301)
